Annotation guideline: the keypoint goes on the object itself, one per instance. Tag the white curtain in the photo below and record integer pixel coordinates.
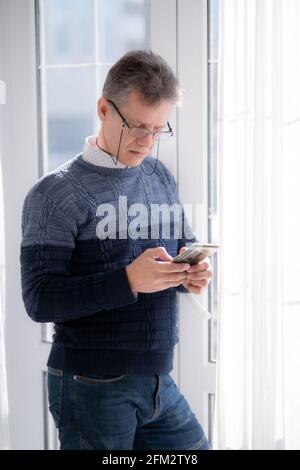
(4, 426)
(258, 386)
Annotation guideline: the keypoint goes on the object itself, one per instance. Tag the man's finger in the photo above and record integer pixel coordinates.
(199, 275)
(202, 283)
(159, 252)
(173, 267)
(174, 277)
(200, 267)
(195, 289)
(170, 284)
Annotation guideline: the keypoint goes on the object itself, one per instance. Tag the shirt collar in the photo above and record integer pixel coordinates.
(94, 155)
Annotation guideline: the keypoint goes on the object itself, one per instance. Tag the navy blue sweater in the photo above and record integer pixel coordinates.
(74, 277)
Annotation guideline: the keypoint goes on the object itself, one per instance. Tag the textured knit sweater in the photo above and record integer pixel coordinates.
(76, 278)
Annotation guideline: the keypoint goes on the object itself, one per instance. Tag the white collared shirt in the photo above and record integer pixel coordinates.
(92, 154)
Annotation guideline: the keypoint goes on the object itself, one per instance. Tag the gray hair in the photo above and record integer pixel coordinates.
(144, 72)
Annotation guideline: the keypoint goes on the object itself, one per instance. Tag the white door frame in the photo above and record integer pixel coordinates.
(26, 354)
(179, 34)
(177, 27)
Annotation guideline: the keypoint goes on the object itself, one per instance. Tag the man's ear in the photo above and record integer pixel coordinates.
(103, 109)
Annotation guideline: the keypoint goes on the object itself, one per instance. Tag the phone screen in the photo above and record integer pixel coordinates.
(196, 253)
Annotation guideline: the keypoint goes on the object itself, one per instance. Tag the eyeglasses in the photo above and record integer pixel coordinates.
(141, 132)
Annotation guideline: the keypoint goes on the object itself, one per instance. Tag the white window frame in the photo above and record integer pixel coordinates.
(24, 351)
(193, 187)
(42, 77)
(177, 25)
(183, 24)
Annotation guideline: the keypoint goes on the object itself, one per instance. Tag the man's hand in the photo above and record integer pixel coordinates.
(154, 271)
(199, 276)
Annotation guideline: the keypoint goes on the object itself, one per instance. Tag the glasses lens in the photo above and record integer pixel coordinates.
(138, 132)
(160, 136)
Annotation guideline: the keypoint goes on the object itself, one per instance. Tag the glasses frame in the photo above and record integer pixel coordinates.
(169, 132)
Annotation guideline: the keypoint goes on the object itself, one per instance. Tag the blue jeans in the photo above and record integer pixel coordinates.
(122, 412)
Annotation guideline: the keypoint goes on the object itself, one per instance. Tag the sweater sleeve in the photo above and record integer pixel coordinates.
(50, 292)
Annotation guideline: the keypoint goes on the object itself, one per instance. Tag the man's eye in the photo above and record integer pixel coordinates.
(137, 126)
(142, 127)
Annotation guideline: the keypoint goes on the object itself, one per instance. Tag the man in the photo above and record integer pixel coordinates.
(107, 282)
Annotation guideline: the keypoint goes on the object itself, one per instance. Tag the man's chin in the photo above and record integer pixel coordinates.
(134, 158)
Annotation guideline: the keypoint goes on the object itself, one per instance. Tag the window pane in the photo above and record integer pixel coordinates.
(123, 25)
(66, 35)
(291, 222)
(213, 80)
(213, 19)
(68, 31)
(70, 106)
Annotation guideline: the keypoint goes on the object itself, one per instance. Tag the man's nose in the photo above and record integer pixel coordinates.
(147, 140)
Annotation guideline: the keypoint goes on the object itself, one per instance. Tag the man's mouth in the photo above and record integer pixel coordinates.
(136, 152)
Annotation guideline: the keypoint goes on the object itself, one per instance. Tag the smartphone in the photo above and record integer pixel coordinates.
(196, 253)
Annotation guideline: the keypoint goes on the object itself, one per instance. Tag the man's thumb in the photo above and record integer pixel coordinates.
(160, 253)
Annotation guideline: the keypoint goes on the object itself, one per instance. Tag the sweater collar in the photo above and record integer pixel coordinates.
(107, 171)
(95, 156)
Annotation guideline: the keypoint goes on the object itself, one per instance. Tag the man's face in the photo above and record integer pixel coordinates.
(133, 150)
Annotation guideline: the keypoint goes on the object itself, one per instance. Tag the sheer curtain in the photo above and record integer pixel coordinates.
(4, 431)
(257, 402)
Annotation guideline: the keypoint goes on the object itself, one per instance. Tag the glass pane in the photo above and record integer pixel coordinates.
(67, 28)
(213, 29)
(51, 441)
(103, 71)
(211, 416)
(70, 105)
(123, 26)
(68, 31)
(213, 142)
(291, 221)
(47, 332)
